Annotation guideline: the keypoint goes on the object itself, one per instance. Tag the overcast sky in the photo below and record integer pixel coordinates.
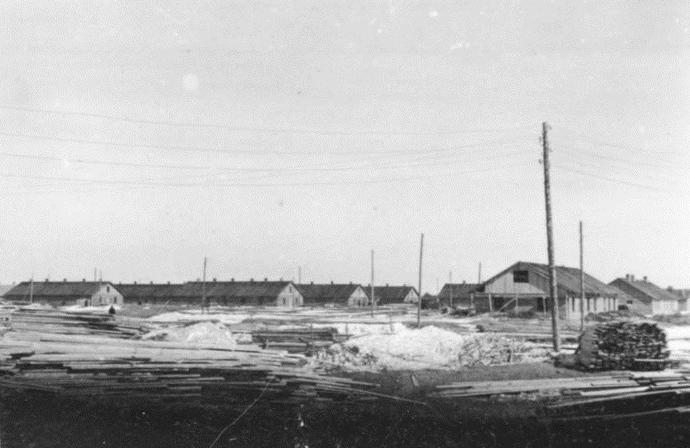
(139, 137)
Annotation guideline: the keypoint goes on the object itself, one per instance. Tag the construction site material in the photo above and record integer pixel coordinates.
(430, 348)
(96, 356)
(619, 385)
(44, 320)
(623, 345)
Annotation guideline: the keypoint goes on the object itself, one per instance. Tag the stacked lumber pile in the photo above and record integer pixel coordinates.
(98, 357)
(529, 330)
(296, 340)
(623, 345)
(58, 322)
(626, 396)
(613, 386)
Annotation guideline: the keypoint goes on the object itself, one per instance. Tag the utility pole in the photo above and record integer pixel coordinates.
(31, 289)
(373, 299)
(299, 275)
(582, 282)
(479, 277)
(95, 274)
(549, 239)
(419, 301)
(450, 286)
(203, 288)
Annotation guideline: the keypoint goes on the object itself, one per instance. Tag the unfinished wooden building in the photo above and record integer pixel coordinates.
(525, 287)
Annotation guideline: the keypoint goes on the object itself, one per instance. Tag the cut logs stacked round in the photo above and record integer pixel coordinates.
(622, 345)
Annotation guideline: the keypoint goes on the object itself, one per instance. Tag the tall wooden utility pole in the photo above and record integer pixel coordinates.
(203, 288)
(549, 239)
(450, 286)
(373, 299)
(419, 301)
(299, 275)
(31, 289)
(479, 276)
(582, 282)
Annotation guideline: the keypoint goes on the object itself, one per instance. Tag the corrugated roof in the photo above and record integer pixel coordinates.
(327, 293)
(649, 289)
(56, 289)
(567, 280)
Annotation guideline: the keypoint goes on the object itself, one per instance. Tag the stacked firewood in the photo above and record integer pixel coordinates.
(622, 345)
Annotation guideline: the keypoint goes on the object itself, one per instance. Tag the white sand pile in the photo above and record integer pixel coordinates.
(429, 348)
(202, 333)
(226, 318)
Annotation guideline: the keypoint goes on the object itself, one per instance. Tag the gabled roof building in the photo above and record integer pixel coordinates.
(387, 295)
(525, 286)
(66, 293)
(458, 295)
(330, 294)
(645, 297)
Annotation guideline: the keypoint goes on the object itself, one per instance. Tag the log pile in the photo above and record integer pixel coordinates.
(622, 345)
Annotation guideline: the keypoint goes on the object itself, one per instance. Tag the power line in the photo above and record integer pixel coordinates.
(631, 184)
(590, 141)
(236, 151)
(587, 164)
(615, 159)
(88, 182)
(301, 169)
(252, 129)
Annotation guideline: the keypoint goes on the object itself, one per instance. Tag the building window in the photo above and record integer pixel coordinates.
(520, 276)
(107, 288)
(630, 302)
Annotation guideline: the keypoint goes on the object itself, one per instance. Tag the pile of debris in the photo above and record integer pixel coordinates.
(486, 350)
(623, 345)
(430, 347)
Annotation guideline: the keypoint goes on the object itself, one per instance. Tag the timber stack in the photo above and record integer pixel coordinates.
(296, 340)
(622, 345)
(93, 356)
(623, 395)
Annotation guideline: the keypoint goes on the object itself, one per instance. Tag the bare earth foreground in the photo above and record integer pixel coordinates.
(85, 398)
